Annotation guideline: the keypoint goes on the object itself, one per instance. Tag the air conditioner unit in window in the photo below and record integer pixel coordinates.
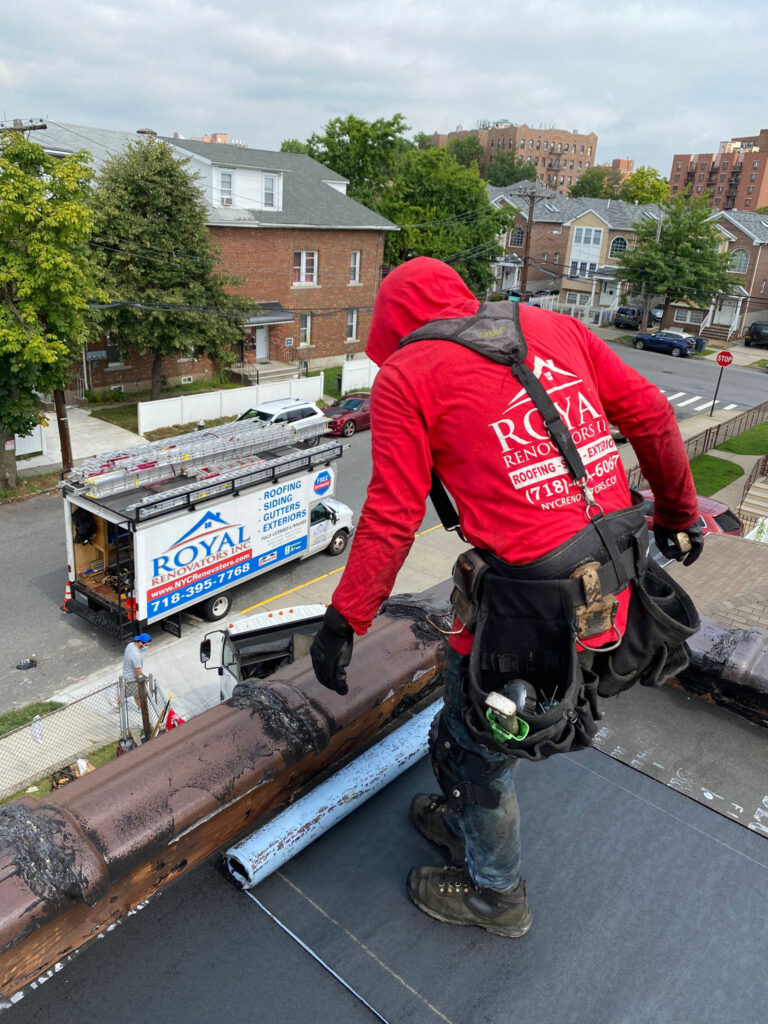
(226, 200)
(117, 387)
(186, 380)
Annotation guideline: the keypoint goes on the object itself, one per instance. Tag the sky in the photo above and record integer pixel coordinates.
(651, 78)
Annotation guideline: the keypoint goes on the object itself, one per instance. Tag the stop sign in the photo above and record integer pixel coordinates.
(724, 358)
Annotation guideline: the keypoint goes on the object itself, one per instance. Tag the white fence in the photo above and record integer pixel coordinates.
(32, 444)
(214, 405)
(356, 374)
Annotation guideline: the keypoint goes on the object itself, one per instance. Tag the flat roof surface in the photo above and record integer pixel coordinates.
(649, 907)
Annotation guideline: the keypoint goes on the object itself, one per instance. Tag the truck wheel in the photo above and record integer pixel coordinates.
(215, 608)
(338, 542)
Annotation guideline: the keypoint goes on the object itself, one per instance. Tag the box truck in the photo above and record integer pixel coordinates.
(173, 525)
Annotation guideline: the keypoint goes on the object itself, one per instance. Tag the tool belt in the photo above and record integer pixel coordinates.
(527, 618)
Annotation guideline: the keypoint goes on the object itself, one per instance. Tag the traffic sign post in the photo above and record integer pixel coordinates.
(722, 359)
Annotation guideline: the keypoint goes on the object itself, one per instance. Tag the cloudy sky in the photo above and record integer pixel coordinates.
(651, 77)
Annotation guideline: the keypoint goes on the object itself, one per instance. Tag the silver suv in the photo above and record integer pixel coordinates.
(295, 411)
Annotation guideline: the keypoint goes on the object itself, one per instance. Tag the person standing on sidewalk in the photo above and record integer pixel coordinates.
(133, 665)
(552, 596)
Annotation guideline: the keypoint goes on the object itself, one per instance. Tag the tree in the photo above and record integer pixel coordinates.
(294, 146)
(443, 211)
(154, 251)
(46, 280)
(365, 152)
(684, 263)
(505, 169)
(645, 185)
(423, 141)
(599, 182)
(762, 210)
(466, 151)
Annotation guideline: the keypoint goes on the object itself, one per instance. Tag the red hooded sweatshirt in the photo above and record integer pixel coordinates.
(436, 404)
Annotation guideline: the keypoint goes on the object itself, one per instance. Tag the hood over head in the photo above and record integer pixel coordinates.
(410, 296)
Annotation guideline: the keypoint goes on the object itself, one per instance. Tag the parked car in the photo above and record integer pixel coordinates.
(714, 516)
(288, 410)
(628, 316)
(657, 313)
(350, 414)
(757, 333)
(674, 343)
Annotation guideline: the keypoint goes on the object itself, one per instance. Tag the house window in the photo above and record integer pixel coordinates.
(354, 267)
(305, 266)
(750, 189)
(597, 236)
(688, 316)
(562, 179)
(581, 149)
(305, 329)
(114, 357)
(678, 166)
(762, 286)
(752, 177)
(226, 187)
(556, 258)
(739, 261)
(538, 144)
(351, 325)
(570, 180)
(747, 202)
(543, 257)
(719, 189)
(677, 177)
(582, 269)
(722, 177)
(579, 167)
(574, 271)
(587, 236)
(269, 191)
(701, 177)
(530, 143)
(522, 143)
(619, 244)
(586, 166)
(578, 235)
(516, 237)
(724, 165)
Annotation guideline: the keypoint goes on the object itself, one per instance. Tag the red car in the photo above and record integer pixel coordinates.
(714, 516)
(351, 413)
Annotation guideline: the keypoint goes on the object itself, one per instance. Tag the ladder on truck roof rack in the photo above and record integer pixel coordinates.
(224, 478)
(157, 461)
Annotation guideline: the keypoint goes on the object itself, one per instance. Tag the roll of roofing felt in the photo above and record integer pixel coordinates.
(266, 850)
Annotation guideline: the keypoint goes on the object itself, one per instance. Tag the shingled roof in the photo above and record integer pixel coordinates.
(557, 209)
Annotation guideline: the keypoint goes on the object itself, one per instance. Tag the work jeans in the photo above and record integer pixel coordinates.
(491, 835)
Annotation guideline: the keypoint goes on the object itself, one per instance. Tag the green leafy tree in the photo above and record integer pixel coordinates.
(423, 141)
(365, 152)
(762, 210)
(154, 250)
(685, 262)
(466, 151)
(46, 280)
(645, 185)
(443, 211)
(599, 182)
(505, 169)
(294, 146)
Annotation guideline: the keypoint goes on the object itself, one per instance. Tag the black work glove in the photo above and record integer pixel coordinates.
(669, 543)
(331, 650)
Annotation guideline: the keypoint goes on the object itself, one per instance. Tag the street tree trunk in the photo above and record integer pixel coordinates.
(63, 425)
(157, 376)
(7, 461)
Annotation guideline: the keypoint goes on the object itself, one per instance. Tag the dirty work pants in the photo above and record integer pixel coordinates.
(491, 835)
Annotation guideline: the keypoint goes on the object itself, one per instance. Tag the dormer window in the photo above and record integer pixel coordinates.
(270, 191)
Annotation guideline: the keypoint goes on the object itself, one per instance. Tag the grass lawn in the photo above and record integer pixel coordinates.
(29, 486)
(752, 442)
(711, 474)
(17, 717)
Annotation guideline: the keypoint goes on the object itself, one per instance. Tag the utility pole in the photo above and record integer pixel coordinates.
(17, 125)
(532, 195)
(647, 298)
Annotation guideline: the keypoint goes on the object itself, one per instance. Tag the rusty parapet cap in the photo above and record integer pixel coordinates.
(130, 810)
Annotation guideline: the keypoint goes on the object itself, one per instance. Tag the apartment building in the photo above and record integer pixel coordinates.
(736, 176)
(307, 253)
(559, 156)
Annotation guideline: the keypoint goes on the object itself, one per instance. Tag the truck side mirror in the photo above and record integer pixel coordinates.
(205, 651)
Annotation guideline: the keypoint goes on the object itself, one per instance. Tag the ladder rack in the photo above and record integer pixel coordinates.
(232, 480)
(144, 465)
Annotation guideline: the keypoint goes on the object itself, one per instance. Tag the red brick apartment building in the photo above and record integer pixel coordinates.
(307, 253)
(736, 177)
(559, 156)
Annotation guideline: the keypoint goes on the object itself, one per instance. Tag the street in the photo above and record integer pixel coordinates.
(33, 559)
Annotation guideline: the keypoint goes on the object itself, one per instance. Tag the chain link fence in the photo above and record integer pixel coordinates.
(32, 753)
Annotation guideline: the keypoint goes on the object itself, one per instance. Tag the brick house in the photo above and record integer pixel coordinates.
(307, 253)
(573, 247)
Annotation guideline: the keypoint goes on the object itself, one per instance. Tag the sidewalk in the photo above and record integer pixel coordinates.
(88, 436)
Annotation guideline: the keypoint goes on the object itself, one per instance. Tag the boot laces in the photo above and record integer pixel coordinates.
(453, 880)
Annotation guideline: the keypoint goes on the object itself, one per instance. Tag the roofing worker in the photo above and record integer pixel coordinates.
(133, 665)
(557, 600)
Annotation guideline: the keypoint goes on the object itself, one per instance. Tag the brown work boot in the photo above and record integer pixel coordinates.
(428, 815)
(449, 895)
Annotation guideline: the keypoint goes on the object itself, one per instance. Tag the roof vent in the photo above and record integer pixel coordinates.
(146, 131)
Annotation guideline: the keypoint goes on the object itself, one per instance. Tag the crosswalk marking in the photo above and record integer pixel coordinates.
(671, 398)
(696, 398)
(690, 401)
